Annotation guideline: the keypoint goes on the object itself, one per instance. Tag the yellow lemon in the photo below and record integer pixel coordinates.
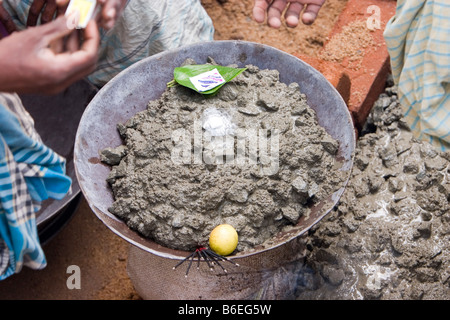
(223, 239)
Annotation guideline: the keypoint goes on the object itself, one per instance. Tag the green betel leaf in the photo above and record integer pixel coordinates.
(183, 75)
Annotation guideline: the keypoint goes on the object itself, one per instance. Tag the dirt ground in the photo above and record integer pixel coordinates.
(389, 266)
(233, 20)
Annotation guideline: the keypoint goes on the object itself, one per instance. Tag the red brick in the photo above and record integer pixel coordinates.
(368, 82)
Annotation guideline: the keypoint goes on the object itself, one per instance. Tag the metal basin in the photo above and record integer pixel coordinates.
(130, 91)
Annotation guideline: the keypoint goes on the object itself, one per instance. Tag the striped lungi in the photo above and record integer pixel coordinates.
(30, 172)
(418, 40)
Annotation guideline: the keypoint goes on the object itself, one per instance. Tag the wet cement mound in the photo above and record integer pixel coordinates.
(388, 237)
(252, 156)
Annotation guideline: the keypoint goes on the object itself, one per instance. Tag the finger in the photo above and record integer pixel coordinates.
(310, 14)
(6, 19)
(49, 11)
(73, 41)
(91, 40)
(109, 18)
(56, 29)
(62, 3)
(58, 36)
(60, 9)
(110, 13)
(34, 12)
(274, 13)
(292, 14)
(86, 56)
(57, 46)
(259, 10)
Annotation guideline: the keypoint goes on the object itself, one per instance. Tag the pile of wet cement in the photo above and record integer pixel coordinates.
(177, 204)
(388, 238)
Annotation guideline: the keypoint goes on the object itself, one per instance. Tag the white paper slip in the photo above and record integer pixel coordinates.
(84, 9)
(207, 80)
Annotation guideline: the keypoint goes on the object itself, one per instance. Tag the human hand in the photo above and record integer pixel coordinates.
(30, 64)
(111, 11)
(274, 9)
(47, 9)
(6, 20)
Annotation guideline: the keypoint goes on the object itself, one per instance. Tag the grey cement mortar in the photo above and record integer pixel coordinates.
(389, 236)
(177, 205)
